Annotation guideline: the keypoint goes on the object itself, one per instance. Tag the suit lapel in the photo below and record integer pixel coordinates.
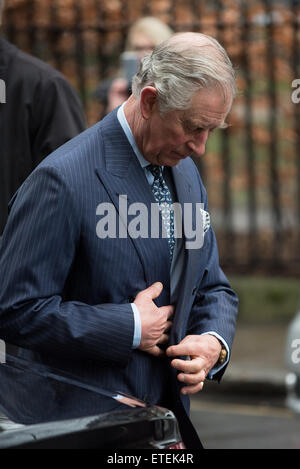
(188, 197)
(126, 183)
(186, 194)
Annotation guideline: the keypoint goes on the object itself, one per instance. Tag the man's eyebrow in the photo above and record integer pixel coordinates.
(224, 125)
(206, 124)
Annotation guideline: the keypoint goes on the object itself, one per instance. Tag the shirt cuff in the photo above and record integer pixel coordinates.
(137, 326)
(217, 367)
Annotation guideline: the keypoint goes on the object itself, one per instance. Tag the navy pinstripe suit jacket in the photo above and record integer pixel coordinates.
(65, 294)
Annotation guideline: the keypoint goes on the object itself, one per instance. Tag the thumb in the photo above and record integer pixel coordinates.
(154, 290)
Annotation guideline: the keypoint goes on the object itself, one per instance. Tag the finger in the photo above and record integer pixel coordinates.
(193, 389)
(163, 339)
(154, 290)
(151, 292)
(180, 349)
(168, 310)
(155, 351)
(192, 378)
(189, 366)
(168, 326)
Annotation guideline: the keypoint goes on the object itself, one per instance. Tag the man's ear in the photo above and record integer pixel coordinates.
(148, 101)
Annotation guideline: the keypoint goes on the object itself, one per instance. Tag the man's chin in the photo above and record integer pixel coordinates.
(173, 159)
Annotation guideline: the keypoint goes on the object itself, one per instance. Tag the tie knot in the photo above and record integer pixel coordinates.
(156, 170)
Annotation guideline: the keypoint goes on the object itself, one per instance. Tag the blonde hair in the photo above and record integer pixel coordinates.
(152, 27)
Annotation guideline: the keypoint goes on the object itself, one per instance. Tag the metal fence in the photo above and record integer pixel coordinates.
(252, 169)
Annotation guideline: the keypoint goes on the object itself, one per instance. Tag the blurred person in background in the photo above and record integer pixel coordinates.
(145, 34)
(41, 112)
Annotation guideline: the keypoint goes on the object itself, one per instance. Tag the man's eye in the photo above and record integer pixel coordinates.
(201, 129)
(196, 130)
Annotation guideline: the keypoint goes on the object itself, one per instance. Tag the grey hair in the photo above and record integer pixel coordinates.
(179, 69)
(1, 10)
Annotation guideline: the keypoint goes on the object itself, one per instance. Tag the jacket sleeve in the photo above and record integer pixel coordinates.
(36, 252)
(56, 116)
(216, 305)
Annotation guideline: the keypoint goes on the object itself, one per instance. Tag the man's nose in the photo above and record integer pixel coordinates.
(198, 142)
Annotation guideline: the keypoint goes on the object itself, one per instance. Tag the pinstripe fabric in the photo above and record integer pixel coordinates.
(65, 293)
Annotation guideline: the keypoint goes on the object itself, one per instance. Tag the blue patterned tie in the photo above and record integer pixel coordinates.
(163, 198)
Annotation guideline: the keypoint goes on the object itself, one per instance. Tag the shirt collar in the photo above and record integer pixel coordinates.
(128, 132)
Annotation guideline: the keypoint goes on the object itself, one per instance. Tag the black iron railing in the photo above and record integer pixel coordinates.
(252, 169)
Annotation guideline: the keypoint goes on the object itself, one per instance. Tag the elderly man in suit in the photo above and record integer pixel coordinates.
(151, 316)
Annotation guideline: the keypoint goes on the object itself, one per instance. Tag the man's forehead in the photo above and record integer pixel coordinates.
(208, 106)
(204, 123)
(204, 118)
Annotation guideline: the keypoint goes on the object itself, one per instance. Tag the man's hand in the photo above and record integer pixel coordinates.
(204, 351)
(155, 321)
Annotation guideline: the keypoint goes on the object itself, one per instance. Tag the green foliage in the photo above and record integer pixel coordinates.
(266, 299)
